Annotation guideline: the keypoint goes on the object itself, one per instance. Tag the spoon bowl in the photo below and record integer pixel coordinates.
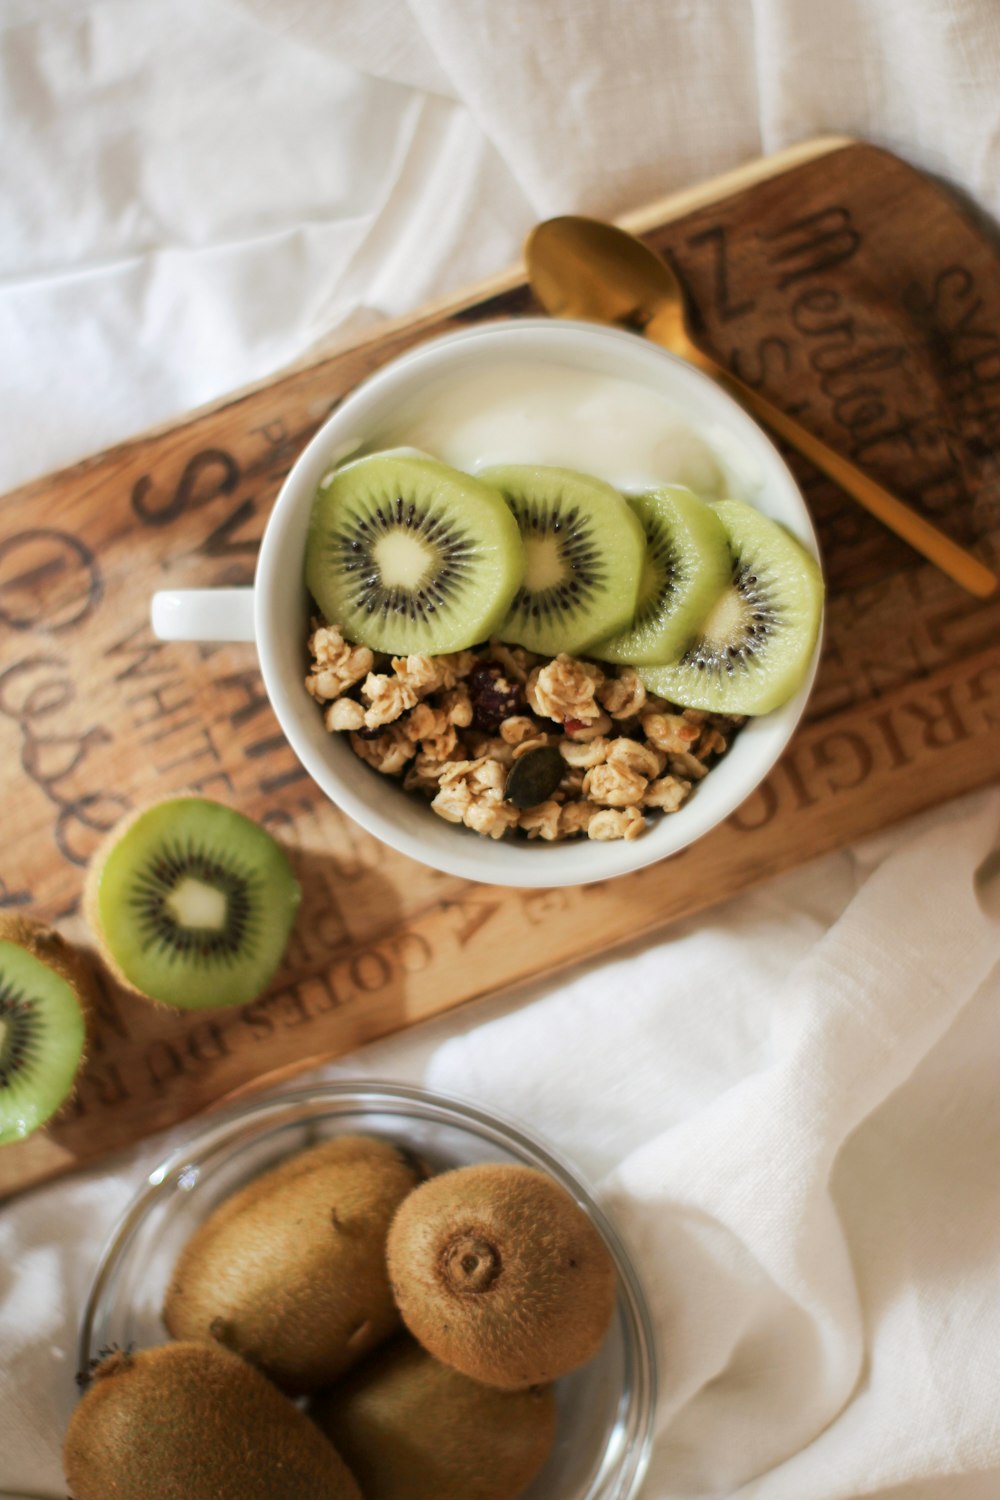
(583, 268)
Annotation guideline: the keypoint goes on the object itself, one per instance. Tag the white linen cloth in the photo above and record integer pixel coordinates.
(790, 1105)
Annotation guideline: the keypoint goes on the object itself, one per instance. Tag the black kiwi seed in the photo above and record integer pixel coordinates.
(751, 649)
(352, 555)
(21, 1036)
(409, 556)
(192, 903)
(584, 573)
(45, 993)
(159, 928)
(583, 552)
(663, 554)
(764, 618)
(534, 776)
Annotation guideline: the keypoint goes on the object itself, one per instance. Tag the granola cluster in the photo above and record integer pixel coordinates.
(452, 727)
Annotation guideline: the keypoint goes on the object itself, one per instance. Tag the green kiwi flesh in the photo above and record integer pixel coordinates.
(687, 565)
(192, 1422)
(192, 904)
(290, 1271)
(583, 550)
(410, 1428)
(407, 555)
(45, 993)
(501, 1275)
(752, 651)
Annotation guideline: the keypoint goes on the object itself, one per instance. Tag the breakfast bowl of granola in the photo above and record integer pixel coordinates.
(538, 605)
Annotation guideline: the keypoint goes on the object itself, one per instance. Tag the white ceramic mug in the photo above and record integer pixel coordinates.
(275, 612)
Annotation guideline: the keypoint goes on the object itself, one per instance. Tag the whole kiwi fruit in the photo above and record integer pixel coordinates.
(290, 1271)
(192, 1422)
(499, 1273)
(410, 1428)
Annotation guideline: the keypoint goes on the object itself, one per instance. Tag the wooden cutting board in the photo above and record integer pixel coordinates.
(834, 276)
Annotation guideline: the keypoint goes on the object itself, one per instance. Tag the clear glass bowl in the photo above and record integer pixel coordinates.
(605, 1410)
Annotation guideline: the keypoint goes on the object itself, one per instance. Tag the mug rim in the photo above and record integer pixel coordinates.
(468, 855)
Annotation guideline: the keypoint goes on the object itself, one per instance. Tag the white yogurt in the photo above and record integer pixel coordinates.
(539, 413)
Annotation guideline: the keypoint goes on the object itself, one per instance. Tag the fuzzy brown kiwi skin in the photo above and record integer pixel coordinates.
(289, 1271)
(498, 1272)
(411, 1428)
(192, 1422)
(52, 950)
(91, 892)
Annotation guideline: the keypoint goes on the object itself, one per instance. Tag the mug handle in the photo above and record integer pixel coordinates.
(203, 615)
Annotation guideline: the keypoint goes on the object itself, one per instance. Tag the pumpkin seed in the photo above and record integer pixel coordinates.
(534, 777)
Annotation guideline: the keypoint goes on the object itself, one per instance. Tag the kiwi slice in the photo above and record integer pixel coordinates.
(407, 555)
(193, 1422)
(753, 648)
(192, 904)
(498, 1273)
(410, 1428)
(687, 566)
(46, 993)
(583, 558)
(290, 1271)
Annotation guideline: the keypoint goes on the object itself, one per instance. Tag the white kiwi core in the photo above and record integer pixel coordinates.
(726, 621)
(544, 568)
(192, 903)
(403, 561)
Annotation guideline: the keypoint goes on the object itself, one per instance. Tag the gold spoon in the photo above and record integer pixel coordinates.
(583, 268)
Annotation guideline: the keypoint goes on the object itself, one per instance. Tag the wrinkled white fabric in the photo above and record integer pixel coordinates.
(793, 1123)
(789, 1105)
(198, 191)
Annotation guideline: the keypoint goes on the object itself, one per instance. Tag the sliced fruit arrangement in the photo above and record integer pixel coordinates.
(194, 1421)
(191, 903)
(752, 650)
(46, 992)
(583, 550)
(410, 1428)
(408, 556)
(686, 567)
(716, 605)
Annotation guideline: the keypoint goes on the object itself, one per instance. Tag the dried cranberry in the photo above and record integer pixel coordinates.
(494, 697)
(572, 725)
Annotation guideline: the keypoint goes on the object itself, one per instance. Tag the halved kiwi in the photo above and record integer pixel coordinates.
(191, 903)
(687, 566)
(583, 558)
(407, 555)
(752, 651)
(46, 992)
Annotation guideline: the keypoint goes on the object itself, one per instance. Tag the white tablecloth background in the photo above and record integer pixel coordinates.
(791, 1105)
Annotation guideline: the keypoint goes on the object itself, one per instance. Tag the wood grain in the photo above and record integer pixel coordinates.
(846, 286)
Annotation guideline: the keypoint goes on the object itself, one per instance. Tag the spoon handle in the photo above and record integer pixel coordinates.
(926, 539)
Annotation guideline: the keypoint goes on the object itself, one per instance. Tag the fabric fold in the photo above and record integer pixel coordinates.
(760, 1294)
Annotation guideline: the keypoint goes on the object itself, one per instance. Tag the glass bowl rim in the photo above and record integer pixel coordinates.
(257, 1116)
